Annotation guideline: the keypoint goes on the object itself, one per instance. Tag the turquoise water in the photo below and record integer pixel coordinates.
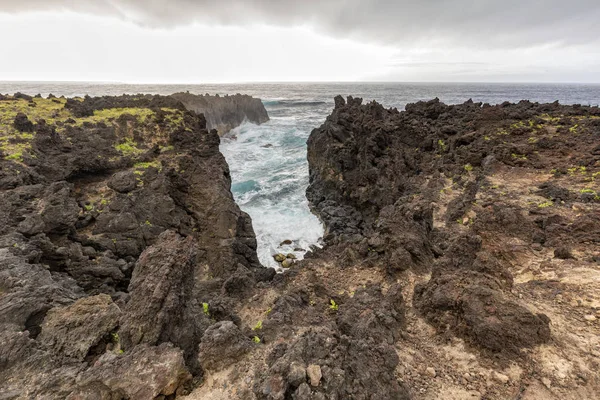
(268, 166)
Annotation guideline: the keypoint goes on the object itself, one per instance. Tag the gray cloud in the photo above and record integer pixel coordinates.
(479, 23)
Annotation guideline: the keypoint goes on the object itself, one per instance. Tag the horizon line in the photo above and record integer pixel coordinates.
(100, 82)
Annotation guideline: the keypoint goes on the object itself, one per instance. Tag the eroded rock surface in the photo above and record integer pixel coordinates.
(117, 224)
(225, 113)
(479, 212)
(461, 257)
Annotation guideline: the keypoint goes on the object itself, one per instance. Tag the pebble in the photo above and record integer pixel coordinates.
(560, 374)
(590, 318)
(547, 382)
(279, 257)
(500, 378)
(314, 374)
(296, 374)
(431, 372)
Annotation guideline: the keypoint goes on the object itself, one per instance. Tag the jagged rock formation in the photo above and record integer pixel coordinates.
(224, 113)
(424, 289)
(116, 224)
(370, 168)
(461, 258)
(473, 194)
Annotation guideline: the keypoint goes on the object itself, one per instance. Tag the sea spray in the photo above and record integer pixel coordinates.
(270, 175)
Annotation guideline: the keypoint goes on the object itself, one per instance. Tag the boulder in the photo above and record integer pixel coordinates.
(222, 344)
(162, 305)
(563, 253)
(22, 123)
(142, 373)
(279, 257)
(123, 181)
(73, 330)
(287, 263)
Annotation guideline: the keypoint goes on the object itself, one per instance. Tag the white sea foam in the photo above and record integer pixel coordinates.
(270, 175)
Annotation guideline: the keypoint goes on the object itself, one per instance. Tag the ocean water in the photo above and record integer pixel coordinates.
(268, 162)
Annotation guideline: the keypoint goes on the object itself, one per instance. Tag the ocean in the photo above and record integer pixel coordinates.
(268, 162)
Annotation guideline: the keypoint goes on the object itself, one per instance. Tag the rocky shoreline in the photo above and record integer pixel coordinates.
(225, 113)
(462, 256)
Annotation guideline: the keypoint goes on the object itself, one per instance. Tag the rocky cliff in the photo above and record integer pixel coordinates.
(117, 228)
(224, 113)
(462, 256)
(489, 218)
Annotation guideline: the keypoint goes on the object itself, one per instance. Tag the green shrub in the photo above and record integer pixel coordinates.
(333, 305)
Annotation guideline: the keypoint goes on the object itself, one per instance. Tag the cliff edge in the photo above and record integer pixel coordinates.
(461, 261)
(120, 245)
(225, 113)
(489, 219)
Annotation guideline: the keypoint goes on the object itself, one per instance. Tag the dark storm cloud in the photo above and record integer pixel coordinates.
(482, 23)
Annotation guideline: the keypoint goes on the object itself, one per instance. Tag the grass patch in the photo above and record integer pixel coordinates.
(145, 165)
(174, 116)
(14, 144)
(46, 109)
(110, 114)
(549, 118)
(129, 148)
(17, 156)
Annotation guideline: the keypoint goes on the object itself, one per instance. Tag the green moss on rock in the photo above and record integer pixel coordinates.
(128, 148)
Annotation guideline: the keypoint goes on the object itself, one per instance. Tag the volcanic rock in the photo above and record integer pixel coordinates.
(113, 233)
(222, 344)
(225, 113)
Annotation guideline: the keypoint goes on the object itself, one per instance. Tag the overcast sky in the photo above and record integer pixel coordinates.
(201, 41)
